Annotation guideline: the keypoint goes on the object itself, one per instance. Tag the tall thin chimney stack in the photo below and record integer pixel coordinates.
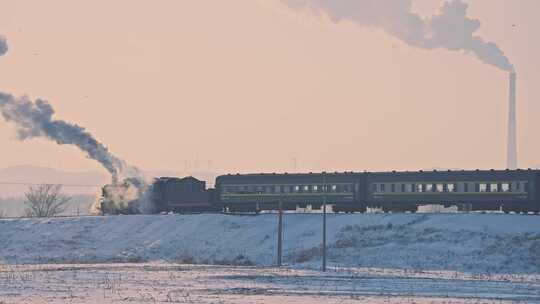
(511, 161)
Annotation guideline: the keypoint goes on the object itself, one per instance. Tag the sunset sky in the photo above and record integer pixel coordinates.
(250, 86)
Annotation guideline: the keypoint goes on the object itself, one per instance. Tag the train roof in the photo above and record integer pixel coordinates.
(382, 173)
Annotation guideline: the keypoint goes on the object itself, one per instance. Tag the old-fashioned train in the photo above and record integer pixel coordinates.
(506, 190)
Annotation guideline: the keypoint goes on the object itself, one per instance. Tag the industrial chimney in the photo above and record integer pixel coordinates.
(511, 161)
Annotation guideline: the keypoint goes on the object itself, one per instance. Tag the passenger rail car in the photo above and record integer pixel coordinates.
(254, 192)
(509, 190)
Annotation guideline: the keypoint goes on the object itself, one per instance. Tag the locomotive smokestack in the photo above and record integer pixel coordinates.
(511, 161)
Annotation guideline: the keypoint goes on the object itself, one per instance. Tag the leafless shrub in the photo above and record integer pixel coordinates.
(306, 255)
(45, 201)
(185, 258)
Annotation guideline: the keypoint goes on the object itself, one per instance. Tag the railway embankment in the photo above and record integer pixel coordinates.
(475, 243)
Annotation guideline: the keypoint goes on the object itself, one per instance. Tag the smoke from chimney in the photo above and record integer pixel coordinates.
(512, 162)
(450, 29)
(3, 46)
(34, 119)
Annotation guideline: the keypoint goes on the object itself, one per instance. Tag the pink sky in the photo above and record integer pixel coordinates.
(247, 86)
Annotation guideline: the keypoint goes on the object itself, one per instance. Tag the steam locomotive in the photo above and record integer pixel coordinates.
(506, 190)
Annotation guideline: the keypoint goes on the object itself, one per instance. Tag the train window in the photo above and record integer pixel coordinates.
(451, 187)
(393, 188)
(482, 187)
(315, 188)
(408, 187)
(277, 189)
(494, 187)
(296, 189)
(306, 188)
(505, 187)
(428, 188)
(439, 187)
(514, 187)
(466, 187)
(419, 188)
(334, 188)
(373, 188)
(526, 187)
(383, 187)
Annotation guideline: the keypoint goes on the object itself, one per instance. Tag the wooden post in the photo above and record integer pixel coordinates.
(324, 225)
(280, 235)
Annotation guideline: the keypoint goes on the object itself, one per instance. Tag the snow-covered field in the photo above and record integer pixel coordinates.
(168, 283)
(374, 258)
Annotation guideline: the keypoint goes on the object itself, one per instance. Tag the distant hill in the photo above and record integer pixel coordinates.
(78, 205)
(13, 180)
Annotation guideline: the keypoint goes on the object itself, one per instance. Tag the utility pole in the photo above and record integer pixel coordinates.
(324, 224)
(280, 234)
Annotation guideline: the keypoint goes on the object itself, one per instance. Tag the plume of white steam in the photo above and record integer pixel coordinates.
(3, 46)
(130, 196)
(450, 29)
(34, 119)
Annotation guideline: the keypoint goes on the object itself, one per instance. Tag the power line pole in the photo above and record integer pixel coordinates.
(324, 224)
(280, 235)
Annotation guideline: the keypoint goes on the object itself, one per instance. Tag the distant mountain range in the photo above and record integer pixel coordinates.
(14, 181)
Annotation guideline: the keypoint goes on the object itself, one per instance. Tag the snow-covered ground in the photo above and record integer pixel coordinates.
(471, 243)
(169, 283)
(373, 258)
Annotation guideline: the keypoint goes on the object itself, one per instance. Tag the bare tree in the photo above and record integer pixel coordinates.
(45, 201)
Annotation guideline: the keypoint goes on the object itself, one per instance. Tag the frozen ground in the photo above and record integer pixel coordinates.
(472, 243)
(170, 283)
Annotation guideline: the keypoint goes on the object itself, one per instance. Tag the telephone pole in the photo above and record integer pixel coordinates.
(280, 235)
(324, 224)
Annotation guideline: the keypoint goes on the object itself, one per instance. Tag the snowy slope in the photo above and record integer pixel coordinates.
(492, 243)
